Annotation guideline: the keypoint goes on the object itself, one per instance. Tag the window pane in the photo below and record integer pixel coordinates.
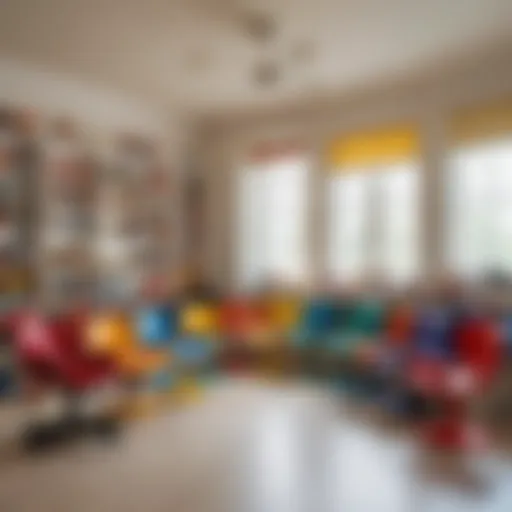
(373, 223)
(348, 204)
(398, 221)
(272, 204)
(479, 227)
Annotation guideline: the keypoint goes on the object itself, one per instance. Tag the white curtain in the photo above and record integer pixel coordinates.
(479, 208)
(399, 201)
(348, 209)
(373, 222)
(271, 221)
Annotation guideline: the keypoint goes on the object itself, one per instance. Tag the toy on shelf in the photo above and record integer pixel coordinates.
(68, 215)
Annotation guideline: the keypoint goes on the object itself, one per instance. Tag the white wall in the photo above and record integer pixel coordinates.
(96, 106)
(428, 101)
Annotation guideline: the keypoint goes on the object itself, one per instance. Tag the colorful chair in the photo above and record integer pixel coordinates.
(353, 343)
(433, 352)
(157, 327)
(112, 333)
(315, 328)
(391, 357)
(197, 346)
(238, 325)
(458, 383)
(52, 356)
(284, 314)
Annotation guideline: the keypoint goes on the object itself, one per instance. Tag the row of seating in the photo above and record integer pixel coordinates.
(398, 351)
(440, 351)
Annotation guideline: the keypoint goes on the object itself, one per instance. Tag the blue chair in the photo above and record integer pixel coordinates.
(433, 336)
(157, 328)
(157, 325)
(433, 342)
(315, 326)
(506, 329)
(317, 322)
(358, 323)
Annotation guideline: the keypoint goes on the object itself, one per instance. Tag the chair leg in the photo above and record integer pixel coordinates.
(40, 436)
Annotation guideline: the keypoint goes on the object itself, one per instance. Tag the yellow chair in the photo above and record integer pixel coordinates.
(283, 315)
(200, 319)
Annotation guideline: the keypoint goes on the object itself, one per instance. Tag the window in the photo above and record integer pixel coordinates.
(373, 205)
(348, 225)
(373, 222)
(398, 218)
(271, 216)
(479, 224)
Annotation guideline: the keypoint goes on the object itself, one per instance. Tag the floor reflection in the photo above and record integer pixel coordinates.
(251, 447)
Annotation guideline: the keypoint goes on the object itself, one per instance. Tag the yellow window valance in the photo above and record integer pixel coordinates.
(489, 121)
(374, 147)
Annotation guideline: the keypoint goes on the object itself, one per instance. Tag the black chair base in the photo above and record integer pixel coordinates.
(43, 436)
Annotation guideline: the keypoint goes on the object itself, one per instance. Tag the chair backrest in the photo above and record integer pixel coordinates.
(199, 319)
(52, 351)
(366, 317)
(479, 345)
(399, 325)
(34, 338)
(318, 317)
(156, 325)
(506, 328)
(283, 312)
(109, 334)
(434, 333)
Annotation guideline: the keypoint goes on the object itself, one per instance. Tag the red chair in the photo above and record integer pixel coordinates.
(239, 321)
(52, 356)
(458, 384)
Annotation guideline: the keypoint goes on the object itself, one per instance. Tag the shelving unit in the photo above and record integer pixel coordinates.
(68, 222)
(136, 223)
(19, 208)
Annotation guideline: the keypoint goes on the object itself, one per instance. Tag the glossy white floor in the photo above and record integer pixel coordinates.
(251, 447)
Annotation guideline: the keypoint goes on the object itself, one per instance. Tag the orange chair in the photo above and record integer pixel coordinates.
(113, 333)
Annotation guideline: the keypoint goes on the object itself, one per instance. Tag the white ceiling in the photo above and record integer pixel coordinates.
(197, 54)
